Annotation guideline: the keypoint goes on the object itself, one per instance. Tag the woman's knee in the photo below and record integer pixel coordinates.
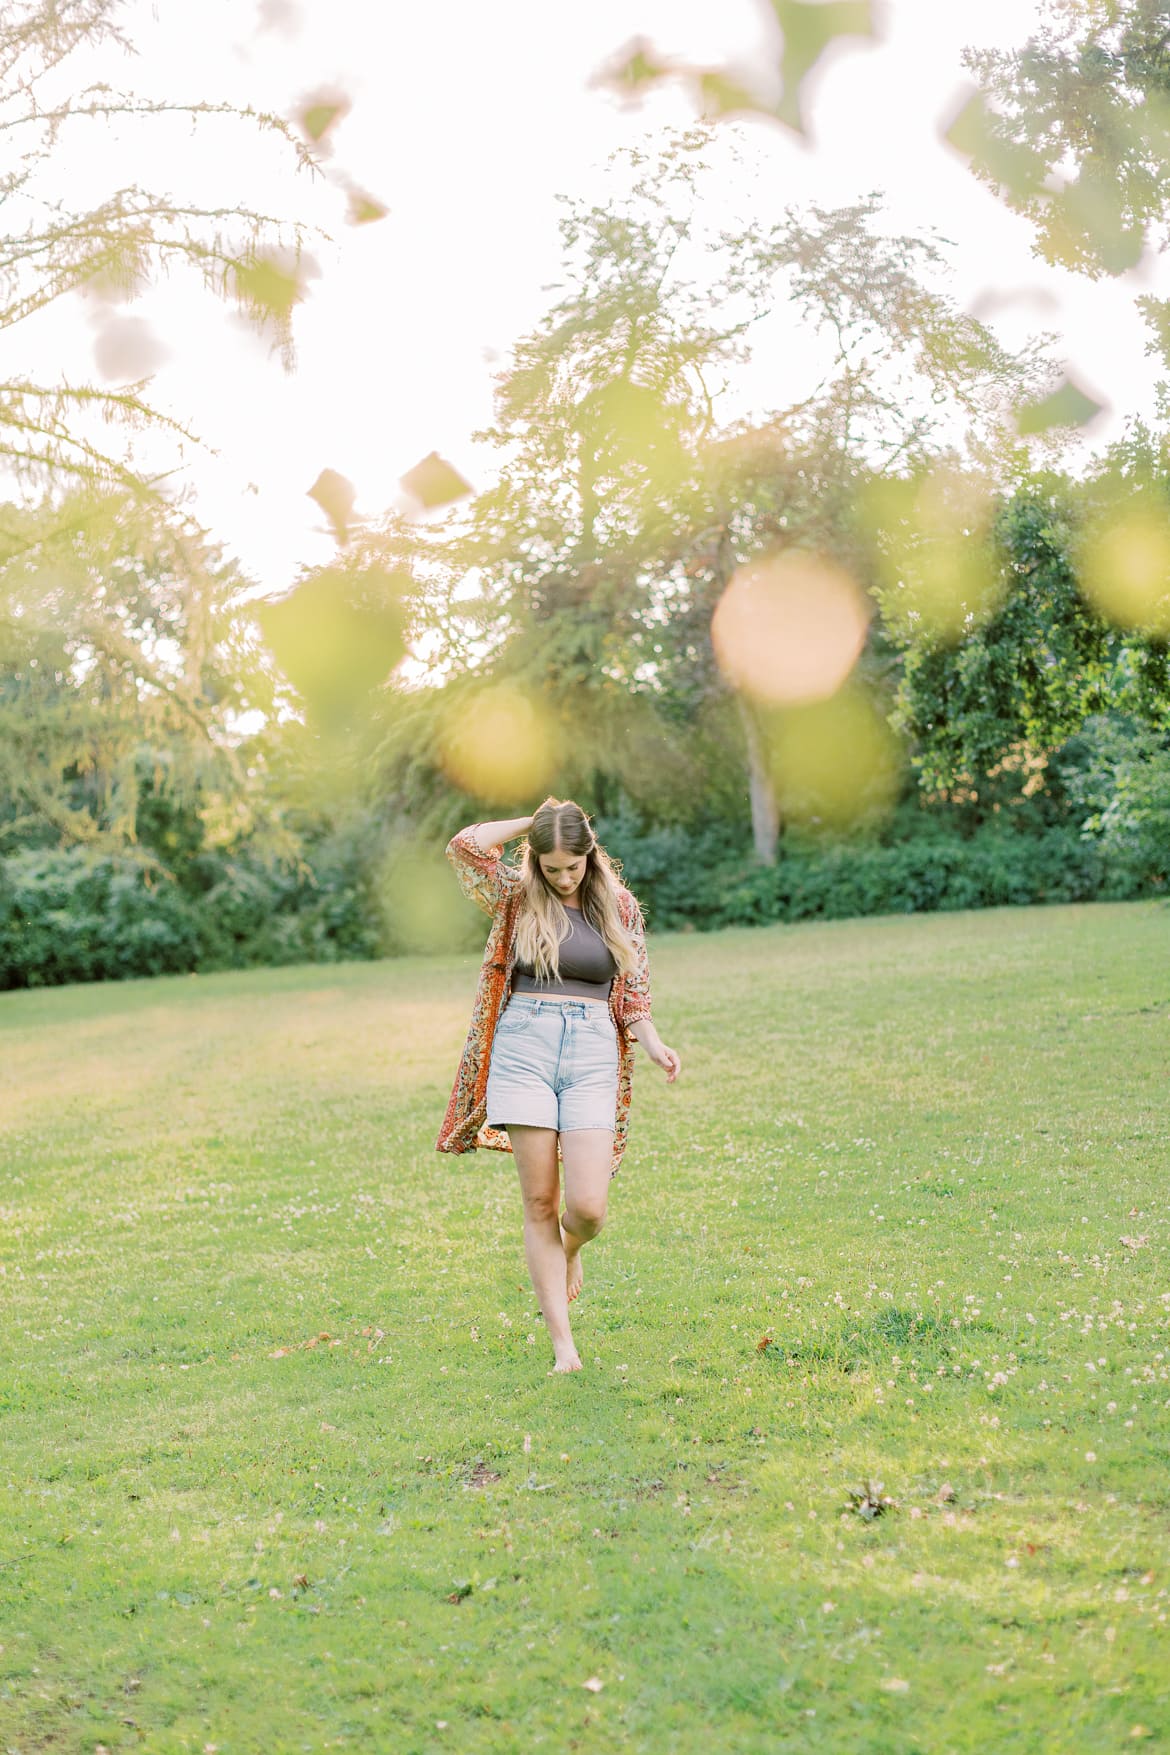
(585, 1217)
(540, 1205)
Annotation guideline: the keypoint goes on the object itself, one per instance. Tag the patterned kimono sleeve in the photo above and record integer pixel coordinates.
(483, 877)
(637, 1003)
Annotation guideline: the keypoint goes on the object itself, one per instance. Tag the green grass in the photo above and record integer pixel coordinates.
(906, 1152)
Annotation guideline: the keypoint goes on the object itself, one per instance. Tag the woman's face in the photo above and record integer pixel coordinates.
(562, 871)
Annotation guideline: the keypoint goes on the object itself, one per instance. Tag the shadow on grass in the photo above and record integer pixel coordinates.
(919, 1337)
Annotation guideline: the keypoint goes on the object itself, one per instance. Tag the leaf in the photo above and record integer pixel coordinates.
(724, 96)
(335, 495)
(127, 349)
(1067, 406)
(268, 287)
(976, 132)
(321, 111)
(434, 482)
(868, 1500)
(809, 28)
(365, 209)
(640, 67)
(1085, 216)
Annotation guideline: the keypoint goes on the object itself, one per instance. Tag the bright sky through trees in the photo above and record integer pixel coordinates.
(466, 121)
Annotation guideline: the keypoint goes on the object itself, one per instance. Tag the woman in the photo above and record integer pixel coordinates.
(564, 988)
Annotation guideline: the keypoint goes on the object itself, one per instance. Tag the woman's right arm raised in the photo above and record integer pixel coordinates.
(489, 835)
(474, 854)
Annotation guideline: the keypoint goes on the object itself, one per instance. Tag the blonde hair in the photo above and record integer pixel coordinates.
(560, 826)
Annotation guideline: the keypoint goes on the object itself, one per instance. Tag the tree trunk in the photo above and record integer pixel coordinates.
(765, 813)
(761, 791)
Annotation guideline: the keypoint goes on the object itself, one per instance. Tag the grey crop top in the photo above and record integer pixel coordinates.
(586, 962)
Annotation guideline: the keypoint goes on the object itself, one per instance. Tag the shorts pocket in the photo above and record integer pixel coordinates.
(514, 1019)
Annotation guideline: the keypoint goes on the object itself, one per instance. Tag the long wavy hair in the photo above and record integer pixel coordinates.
(560, 826)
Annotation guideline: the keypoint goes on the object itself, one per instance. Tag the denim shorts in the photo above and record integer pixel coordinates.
(554, 1064)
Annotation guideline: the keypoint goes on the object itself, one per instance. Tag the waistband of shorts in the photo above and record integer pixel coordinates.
(557, 999)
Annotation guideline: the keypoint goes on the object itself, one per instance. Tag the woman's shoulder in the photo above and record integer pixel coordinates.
(627, 904)
(483, 876)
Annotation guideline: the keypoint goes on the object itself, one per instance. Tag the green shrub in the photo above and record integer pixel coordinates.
(79, 915)
(692, 881)
(76, 915)
(1117, 771)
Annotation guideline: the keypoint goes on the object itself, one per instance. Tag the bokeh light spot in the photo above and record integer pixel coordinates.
(789, 627)
(1125, 567)
(834, 763)
(336, 636)
(937, 568)
(421, 908)
(498, 743)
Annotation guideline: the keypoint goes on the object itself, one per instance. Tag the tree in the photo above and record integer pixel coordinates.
(987, 707)
(126, 660)
(1073, 130)
(125, 656)
(899, 354)
(589, 573)
(54, 435)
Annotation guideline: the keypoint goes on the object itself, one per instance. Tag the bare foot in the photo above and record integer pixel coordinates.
(567, 1358)
(574, 1271)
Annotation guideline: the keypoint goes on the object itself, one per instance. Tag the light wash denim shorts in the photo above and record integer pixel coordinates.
(554, 1064)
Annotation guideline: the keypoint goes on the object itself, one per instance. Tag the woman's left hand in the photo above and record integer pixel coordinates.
(645, 1033)
(667, 1059)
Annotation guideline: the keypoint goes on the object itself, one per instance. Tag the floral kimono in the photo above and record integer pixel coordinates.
(495, 887)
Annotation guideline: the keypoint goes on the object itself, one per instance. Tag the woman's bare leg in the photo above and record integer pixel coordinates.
(588, 1156)
(535, 1151)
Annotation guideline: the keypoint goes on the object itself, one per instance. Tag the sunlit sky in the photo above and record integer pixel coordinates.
(466, 121)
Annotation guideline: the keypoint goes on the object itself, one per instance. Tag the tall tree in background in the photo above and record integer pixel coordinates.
(588, 576)
(121, 652)
(904, 373)
(601, 414)
(126, 663)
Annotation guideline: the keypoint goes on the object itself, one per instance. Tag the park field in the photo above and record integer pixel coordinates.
(872, 1447)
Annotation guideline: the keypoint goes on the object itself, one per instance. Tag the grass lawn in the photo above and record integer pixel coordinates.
(283, 1466)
